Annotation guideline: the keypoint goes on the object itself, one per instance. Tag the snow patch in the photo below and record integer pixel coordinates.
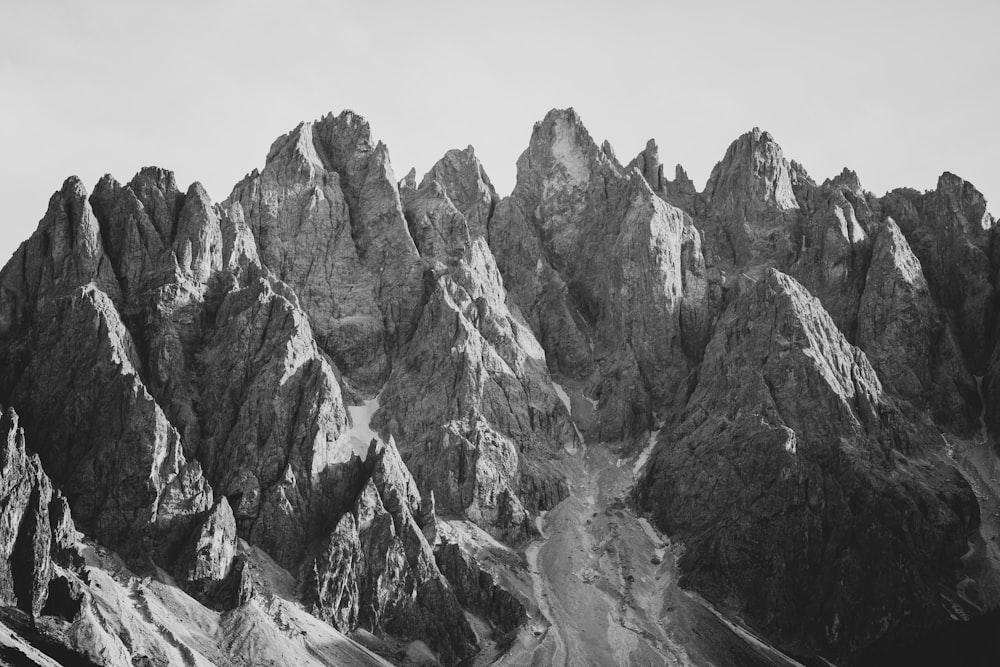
(637, 468)
(361, 434)
(563, 396)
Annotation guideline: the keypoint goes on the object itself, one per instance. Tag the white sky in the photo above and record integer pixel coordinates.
(899, 91)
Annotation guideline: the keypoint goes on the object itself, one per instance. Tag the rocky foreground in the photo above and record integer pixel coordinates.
(340, 419)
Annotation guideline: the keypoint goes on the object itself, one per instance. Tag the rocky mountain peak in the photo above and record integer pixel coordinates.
(649, 165)
(561, 151)
(847, 179)
(338, 403)
(753, 173)
(464, 180)
(967, 203)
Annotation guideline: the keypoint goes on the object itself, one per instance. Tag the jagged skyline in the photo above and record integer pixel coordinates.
(128, 85)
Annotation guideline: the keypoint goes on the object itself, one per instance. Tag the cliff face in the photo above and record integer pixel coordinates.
(611, 277)
(792, 468)
(337, 404)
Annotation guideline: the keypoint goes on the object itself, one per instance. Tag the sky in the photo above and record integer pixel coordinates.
(898, 91)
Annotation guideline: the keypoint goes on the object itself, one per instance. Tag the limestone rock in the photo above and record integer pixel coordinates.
(791, 468)
(907, 339)
(836, 247)
(477, 590)
(552, 236)
(212, 549)
(472, 360)
(463, 177)
(25, 535)
(751, 202)
(377, 570)
(101, 435)
(327, 218)
(680, 192)
(64, 252)
(948, 230)
(278, 446)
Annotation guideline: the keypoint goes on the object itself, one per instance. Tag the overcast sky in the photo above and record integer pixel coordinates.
(898, 91)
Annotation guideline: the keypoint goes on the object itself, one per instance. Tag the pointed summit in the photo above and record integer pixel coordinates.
(649, 165)
(466, 183)
(561, 153)
(967, 203)
(751, 204)
(753, 174)
(327, 216)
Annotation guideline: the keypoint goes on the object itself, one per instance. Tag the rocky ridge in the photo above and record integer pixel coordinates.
(299, 399)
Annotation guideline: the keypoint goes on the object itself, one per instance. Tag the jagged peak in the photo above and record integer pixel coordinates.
(163, 179)
(563, 149)
(107, 182)
(753, 170)
(755, 142)
(409, 182)
(609, 152)
(73, 186)
(347, 118)
(966, 198)
(638, 183)
(954, 184)
(323, 144)
(563, 126)
(648, 162)
(847, 179)
(458, 164)
(891, 249)
(196, 189)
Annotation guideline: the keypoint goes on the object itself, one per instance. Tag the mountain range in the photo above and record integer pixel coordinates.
(344, 419)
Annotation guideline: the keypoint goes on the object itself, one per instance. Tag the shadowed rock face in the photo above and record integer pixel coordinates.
(792, 469)
(836, 247)
(907, 338)
(377, 567)
(36, 532)
(949, 231)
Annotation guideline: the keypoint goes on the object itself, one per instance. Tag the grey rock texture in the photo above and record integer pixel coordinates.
(326, 215)
(210, 553)
(377, 567)
(792, 469)
(836, 247)
(751, 204)
(580, 243)
(907, 338)
(471, 398)
(35, 531)
(949, 231)
(102, 436)
(272, 418)
(146, 342)
(680, 192)
(477, 589)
